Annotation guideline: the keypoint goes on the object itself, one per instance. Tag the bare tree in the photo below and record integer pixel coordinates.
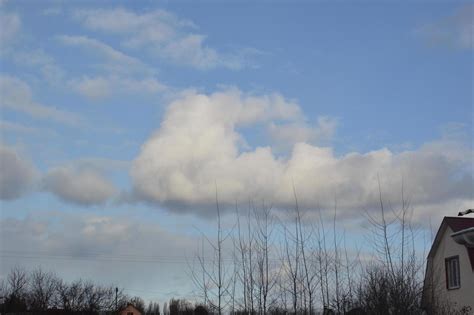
(266, 277)
(309, 258)
(395, 284)
(17, 281)
(71, 296)
(242, 250)
(16, 289)
(215, 281)
(200, 275)
(42, 289)
(251, 266)
(323, 261)
(336, 264)
(153, 308)
(291, 258)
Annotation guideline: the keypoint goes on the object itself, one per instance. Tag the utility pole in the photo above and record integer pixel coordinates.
(116, 300)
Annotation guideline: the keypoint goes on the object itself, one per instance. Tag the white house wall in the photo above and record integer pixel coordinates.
(464, 296)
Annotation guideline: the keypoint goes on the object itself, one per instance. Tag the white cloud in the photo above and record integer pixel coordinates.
(123, 74)
(97, 164)
(113, 61)
(93, 88)
(454, 31)
(287, 134)
(157, 25)
(197, 147)
(17, 95)
(14, 127)
(105, 86)
(191, 50)
(162, 33)
(48, 68)
(18, 128)
(51, 11)
(81, 186)
(16, 174)
(10, 25)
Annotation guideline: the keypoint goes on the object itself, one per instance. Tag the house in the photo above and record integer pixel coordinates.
(449, 277)
(130, 310)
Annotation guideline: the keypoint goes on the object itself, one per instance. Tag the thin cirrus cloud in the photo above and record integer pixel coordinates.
(454, 31)
(17, 175)
(84, 187)
(113, 61)
(161, 33)
(10, 25)
(45, 63)
(17, 96)
(121, 74)
(100, 87)
(197, 149)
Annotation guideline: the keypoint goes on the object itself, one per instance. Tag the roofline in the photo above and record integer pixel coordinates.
(442, 228)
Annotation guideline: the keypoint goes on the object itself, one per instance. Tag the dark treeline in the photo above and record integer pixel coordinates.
(44, 292)
(40, 290)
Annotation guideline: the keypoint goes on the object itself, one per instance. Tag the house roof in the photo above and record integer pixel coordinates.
(459, 223)
(456, 224)
(130, 306)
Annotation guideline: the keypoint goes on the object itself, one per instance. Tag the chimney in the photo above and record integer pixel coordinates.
(462, 213)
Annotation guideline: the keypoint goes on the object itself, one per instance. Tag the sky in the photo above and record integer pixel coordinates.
(120, 121)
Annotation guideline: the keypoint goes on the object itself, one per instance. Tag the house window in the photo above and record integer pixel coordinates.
(129, 313)
(453, 277)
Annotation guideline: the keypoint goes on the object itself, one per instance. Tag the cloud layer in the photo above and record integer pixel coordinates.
(161, 33)
(10, 25)
(120, 243)
(16, 174)
(81, 182)
(17, 96)
(85, 187)
(121, 73)
(198, 147)
(454, 31)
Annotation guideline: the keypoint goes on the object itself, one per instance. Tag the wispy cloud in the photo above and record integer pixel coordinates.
(10, 25)
(163, 34)
(121, 74)
(111, 59)
(51, 11)
(8, 126)
(454, 31)
(101, 87)
(17, 96)
(46, 64)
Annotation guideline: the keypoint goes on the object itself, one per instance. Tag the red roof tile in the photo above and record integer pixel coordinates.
(459, 223)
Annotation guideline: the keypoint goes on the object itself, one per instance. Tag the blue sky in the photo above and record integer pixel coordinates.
(118, 115)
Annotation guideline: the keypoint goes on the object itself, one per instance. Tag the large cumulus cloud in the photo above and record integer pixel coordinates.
(17, 175)
(198, 148)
